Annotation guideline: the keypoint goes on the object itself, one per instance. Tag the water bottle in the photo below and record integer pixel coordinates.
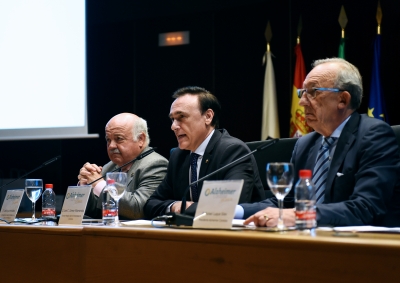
(108, 204)
(305, 201)
(48, 202)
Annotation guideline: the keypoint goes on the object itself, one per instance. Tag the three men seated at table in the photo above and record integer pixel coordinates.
(354, 158)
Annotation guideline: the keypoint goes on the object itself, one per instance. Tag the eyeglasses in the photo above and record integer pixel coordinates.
(311, 93)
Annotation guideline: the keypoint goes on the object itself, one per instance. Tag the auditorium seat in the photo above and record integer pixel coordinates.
(396, 130)
(280, 152)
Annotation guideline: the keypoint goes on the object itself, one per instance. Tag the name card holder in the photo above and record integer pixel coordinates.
(217, 203)
(11, 204)
(74, 205)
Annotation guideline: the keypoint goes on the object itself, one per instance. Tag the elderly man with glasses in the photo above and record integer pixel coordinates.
(354, 159)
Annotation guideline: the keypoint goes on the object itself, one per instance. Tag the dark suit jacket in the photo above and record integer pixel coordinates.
(221, 150)
(368, 192)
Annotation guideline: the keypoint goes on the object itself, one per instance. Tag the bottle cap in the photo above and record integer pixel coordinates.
(305, 173)
(48, 186)
(110, 181)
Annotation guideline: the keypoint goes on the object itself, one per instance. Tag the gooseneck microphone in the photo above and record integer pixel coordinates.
(41, 166)
(144, 154)
(180, 219)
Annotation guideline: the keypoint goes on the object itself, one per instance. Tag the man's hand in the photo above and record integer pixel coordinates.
(89, 173)
(176, 207)
(269, 217)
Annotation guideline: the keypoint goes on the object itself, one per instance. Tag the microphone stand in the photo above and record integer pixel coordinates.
(144, 154)
(41, 166)
(180, 219)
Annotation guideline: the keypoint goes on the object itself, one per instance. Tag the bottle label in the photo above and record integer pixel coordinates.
(48, 212)
(109, 212)
(306, 215)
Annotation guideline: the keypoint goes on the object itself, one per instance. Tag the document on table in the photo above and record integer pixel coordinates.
(361, 229)
(140, 222)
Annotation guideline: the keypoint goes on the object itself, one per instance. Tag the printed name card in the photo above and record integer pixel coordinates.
(11, 204)
(217, 203)
(74, 205)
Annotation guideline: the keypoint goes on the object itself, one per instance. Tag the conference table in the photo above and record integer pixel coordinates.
(93, 253)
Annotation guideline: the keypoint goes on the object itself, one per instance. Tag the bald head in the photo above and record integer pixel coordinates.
(126, 136)
(137, 124)
(345, 76)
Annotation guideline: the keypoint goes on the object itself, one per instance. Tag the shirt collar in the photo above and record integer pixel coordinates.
(202, 148)
(336, 133)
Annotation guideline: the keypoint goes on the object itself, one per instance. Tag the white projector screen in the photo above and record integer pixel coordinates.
(43, 69)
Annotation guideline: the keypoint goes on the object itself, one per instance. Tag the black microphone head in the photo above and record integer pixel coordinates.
(267, 144)
(52, 160)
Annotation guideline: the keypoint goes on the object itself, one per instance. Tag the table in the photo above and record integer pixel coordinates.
(146, 254)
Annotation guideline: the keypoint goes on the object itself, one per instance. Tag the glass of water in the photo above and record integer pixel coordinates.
(33, 189)
(280, 180)
(117, 189)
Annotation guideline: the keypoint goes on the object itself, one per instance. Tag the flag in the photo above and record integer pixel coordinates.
(343, 23)
(270, 123)
(298, 125)
(376, 106)
(341, 48)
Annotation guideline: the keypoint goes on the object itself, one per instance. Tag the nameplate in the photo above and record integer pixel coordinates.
(74, 205)
(217, 203)
(11, 204)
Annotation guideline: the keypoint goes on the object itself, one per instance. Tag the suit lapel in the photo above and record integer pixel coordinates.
(207, 158)
(346, 139)
(132, 171)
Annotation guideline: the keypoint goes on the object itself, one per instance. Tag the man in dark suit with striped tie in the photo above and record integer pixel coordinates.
(355, 159)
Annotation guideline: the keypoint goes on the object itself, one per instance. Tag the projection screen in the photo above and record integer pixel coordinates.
(43, 69)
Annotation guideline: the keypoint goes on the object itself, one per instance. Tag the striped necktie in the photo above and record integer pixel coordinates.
(321, 168)
(193, 176)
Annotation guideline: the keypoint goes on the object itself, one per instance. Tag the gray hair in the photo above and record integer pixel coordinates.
(348, 78)
(139, 127)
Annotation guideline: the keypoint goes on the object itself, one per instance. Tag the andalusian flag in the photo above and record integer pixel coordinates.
(298, 125)
(341, 48)
(343, 23)
(376, 107)
(270, 123)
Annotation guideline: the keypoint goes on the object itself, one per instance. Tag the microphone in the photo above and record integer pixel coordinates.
(144, 154)
(180, 219)
(41, 166)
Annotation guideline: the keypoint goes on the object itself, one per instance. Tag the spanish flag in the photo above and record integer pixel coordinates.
(298, 125)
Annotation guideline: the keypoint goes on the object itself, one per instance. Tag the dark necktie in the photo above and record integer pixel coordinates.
(193, 177)
(321, 169)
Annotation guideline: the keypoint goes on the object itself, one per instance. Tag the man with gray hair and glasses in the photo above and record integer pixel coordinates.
(354, 159)
(127, 137)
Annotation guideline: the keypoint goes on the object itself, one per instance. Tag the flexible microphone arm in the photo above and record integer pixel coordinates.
(144, 154)
(41, 166)
(261, 147)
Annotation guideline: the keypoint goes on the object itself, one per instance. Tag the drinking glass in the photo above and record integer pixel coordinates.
(118, 189)
(33, 189)
(280, 179)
